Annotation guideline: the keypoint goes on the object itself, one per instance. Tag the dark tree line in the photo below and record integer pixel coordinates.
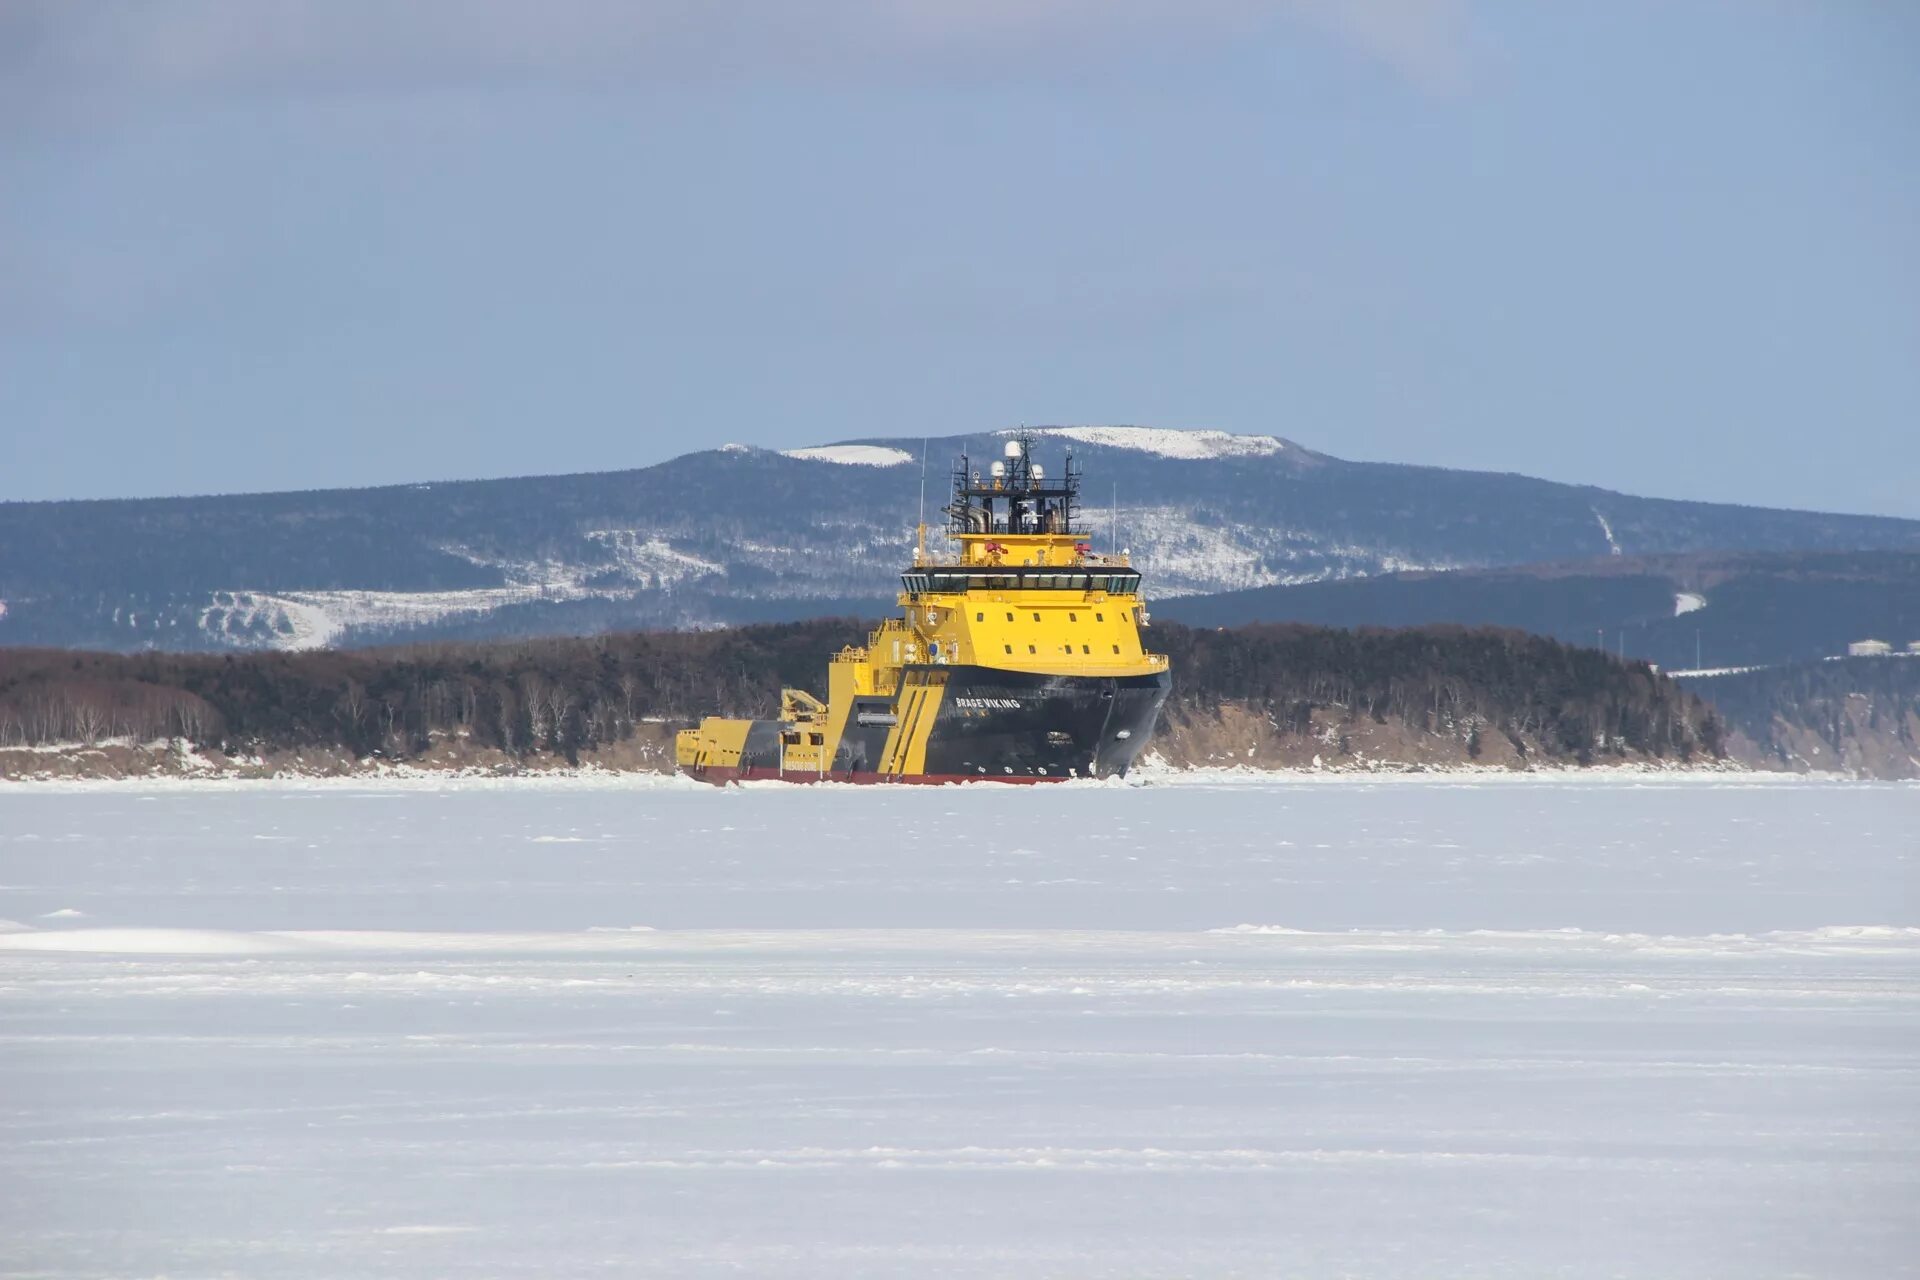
(559, 695)
(568, 695)
(1573, 703)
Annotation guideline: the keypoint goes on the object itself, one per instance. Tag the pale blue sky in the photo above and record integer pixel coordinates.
(1670, 248)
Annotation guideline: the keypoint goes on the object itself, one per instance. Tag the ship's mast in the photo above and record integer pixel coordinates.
(1016, 496)
(920, 526)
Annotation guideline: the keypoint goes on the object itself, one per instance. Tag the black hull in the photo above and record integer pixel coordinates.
(976, 724)
(1012, 723)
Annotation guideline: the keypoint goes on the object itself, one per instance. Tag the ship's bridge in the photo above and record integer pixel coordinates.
(1116, 580)
(1026, 591)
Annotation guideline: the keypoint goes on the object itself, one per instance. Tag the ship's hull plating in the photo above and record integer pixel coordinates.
(976, 724)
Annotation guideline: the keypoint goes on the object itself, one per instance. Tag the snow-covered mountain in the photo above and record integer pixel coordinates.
(740, 534)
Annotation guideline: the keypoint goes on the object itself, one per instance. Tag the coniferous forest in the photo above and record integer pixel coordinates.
(565, 696)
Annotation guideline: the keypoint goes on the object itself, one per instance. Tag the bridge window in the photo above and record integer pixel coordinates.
(1116, 648)
(1073, 617)
(1099, 617)
(1009, 648)
(1031, 649)
(979, 617)
(1036, 617)
(1016, 578)
(1085, 649)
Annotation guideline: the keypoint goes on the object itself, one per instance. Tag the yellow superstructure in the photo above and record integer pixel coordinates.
(1023, 612)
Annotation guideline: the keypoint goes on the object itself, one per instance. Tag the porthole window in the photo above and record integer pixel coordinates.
(1009, 617)
(1085, 649)
(1009, 648)
(1073, 617)
(979, 617)
(1036, 617)
(1031, 649)
(1116, 648)
(1099, 617)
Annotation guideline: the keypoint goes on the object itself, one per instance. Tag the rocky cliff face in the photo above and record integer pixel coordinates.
(1857, 716)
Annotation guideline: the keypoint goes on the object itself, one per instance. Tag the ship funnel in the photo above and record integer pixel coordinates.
(1013, 448)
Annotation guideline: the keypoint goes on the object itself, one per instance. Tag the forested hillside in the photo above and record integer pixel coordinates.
(1711, 609)
(734, 534)
(1485, 694)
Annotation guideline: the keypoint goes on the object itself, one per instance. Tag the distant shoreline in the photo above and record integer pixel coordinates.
(595, 778)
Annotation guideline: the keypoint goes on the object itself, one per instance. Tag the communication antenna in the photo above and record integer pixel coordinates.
(923, 479)
(1113, 532)
(921, 524)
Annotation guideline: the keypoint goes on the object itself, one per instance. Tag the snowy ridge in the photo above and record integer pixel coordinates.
(852, 455)
(1606, 531)
(1190, 446)
(1191, 551)
(294, 620)
(644, 553)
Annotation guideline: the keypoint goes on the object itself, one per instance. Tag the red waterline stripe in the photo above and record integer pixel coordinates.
(720, 775)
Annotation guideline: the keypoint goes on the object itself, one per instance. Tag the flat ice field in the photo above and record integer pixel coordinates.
(1405, 1028)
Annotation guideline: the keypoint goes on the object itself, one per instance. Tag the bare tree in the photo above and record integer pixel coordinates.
(352, 705)
(559, 703)
(533, 688)
(506, 722)
(89, 721)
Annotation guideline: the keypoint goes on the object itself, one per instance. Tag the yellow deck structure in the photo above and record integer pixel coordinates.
(1021, 612)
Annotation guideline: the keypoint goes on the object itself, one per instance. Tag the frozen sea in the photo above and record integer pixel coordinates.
(1313, 1028)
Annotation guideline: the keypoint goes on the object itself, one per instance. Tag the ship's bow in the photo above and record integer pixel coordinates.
(1011, 724)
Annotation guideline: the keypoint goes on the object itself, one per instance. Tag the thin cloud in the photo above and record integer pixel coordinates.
(51, 46)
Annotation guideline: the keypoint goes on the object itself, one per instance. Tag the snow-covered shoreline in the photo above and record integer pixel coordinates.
(590, 778)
